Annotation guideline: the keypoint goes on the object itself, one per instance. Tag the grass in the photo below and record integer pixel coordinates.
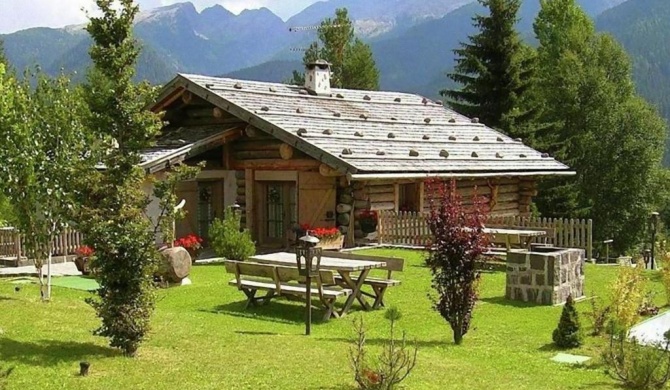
(203, 339)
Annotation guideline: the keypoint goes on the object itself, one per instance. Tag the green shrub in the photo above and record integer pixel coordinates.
(628, 292)
(599, 315)
(228, 240)
(568, 333)
(637, 366)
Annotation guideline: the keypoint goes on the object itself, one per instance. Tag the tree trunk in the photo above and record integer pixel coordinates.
(48, 295)
(458, 337)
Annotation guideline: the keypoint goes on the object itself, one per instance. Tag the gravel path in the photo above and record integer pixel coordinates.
(61, 269)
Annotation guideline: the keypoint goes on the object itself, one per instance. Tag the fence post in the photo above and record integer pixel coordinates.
(17, 244)
(380, 225)
(589, 239)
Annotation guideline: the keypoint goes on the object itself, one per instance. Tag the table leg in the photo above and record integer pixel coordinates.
(356, 291)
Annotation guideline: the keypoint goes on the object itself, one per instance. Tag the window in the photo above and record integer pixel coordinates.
(408, 197)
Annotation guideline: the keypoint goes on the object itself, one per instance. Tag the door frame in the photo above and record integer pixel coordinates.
(261, 216)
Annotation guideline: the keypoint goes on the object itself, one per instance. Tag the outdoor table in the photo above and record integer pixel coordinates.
(343, 266)
(509, 233)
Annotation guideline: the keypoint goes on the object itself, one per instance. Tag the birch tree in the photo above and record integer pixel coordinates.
(42, 149)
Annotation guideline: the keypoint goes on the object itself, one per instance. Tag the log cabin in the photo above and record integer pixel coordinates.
(312, 154)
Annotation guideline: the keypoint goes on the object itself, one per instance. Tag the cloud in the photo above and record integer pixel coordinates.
(21, 14)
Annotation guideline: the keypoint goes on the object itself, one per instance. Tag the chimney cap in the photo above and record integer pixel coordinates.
(321, 64)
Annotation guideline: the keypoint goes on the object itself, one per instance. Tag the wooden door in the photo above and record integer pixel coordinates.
(279, 212)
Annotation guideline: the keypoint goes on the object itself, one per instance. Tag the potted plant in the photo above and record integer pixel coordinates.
(330, 237)
(192, 243)
(82, 261)
(368, 220)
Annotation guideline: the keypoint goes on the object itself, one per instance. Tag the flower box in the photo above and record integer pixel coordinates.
(329, 238)
(331, 243)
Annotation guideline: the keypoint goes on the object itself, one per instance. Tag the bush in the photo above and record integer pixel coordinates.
(599, 315)
(648, 307)
(628, 295)
(393, 365)
(635, 365)
(568, 334)
(228, 240)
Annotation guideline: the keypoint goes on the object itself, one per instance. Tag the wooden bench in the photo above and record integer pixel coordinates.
(379, 285)
(277, 280)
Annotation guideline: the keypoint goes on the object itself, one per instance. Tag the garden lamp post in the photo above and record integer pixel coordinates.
(237, 211)
(236, 208)
(308, 258)
(653, 222)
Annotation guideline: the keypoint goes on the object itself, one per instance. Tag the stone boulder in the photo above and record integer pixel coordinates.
(175, 265)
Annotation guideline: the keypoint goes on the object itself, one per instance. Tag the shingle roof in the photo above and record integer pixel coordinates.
(371, 131)
(179, 143)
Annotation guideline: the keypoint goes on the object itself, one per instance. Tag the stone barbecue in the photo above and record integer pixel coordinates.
(545, 275)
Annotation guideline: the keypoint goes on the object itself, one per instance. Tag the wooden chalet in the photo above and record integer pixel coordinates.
(291, 155)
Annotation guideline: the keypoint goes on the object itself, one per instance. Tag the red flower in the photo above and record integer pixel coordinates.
(321, 233)
(191, 241)
(84, 251)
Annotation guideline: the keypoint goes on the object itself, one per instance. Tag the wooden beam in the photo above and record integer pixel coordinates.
(252, 131)
(257, 155)
(284, 165)
(227, 156)
(200, 113)
(249, 198)
(171, 98)
(327, 171)
(248, 145)
(286, 151)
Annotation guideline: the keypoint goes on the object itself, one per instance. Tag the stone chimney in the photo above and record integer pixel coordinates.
(317, 77)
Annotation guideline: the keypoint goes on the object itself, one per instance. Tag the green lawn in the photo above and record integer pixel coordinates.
(203, 339)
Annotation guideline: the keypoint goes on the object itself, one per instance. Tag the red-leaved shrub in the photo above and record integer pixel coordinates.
(458, 241)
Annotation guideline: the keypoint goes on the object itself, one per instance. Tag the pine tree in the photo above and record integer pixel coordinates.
(568, 334)
(114, 221)
(495, 71)
(352, 62)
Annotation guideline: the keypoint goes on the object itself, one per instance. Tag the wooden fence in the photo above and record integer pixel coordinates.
(12, 243)
(411, 229)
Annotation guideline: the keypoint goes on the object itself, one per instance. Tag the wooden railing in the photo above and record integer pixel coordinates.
(411, 229)
(12, 243)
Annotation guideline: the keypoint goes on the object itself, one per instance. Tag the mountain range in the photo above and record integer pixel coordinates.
(412, 40)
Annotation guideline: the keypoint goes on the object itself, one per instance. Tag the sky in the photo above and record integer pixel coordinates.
(21, 14)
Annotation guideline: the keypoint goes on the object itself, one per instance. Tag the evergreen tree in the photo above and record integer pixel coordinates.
(352, 62)
(495, 71)
(113, 221)
(568, 334)
(3, 55)
(597, 125)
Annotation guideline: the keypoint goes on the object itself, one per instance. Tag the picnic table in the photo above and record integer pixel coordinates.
(513, 236)
(343, 266)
